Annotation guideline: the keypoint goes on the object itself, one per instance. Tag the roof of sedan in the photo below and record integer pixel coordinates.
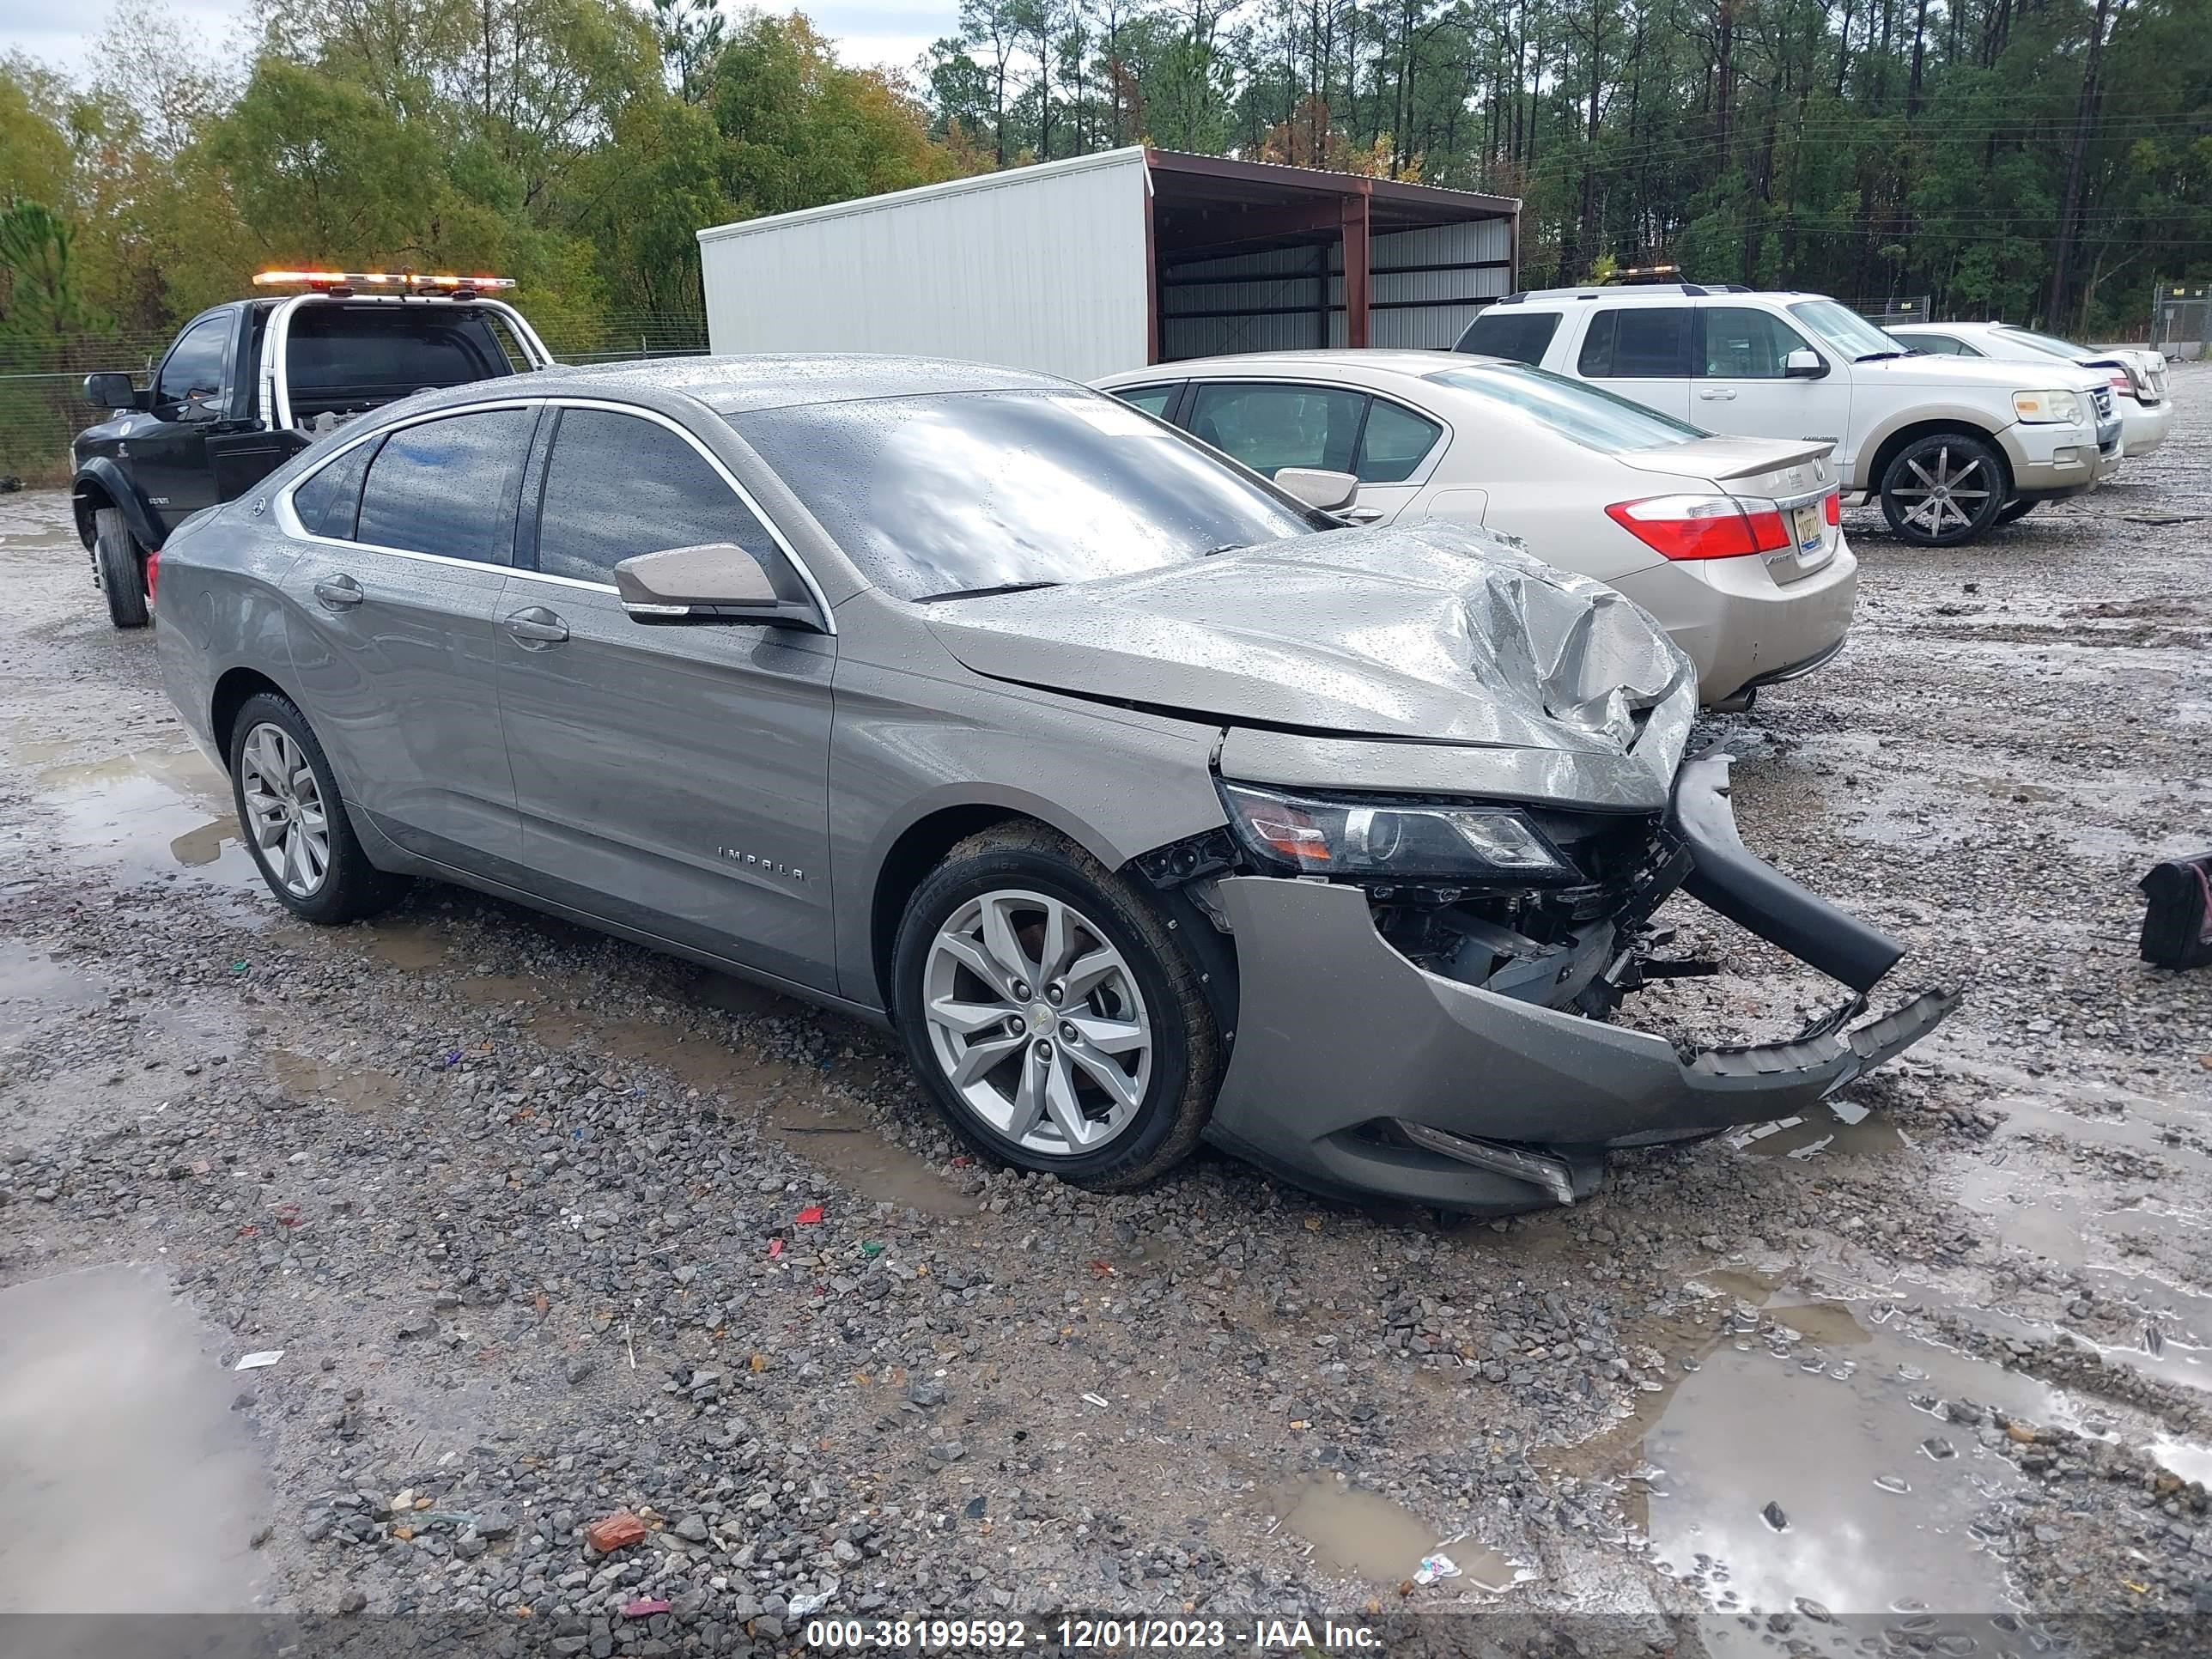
(730, 386)
(1381, 360)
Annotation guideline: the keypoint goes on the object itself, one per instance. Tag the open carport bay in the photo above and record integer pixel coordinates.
(528, 1212)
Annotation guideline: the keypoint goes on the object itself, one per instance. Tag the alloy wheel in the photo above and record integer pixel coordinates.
(1949, 498)
(1037, 1022)
(284, 810)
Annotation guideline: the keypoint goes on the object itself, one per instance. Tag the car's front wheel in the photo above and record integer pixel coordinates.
(122, 573)
(294, 818)
(1944, 490)
(1050, 1013)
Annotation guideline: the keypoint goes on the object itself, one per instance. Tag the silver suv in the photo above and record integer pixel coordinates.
(1146, 800)
(1951, 447)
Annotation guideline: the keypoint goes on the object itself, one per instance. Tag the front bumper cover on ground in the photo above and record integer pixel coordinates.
(1356, 1073)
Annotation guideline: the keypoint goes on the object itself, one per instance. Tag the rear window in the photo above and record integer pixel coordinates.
(449, 486)
(387, 352)
(1582, 414)
(1637, 343)
(1511, 332)
(329, 502)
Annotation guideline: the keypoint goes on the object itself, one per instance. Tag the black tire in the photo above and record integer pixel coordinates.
(2015, 510)
(1944, 489)
(1185, 1059)
(351, 888)
(121, 570)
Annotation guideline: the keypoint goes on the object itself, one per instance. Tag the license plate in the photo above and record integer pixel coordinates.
(1812, 528)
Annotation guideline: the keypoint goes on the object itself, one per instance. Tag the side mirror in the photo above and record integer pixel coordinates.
(1803, 364)
(712, 582)
(1317, 487)
(110, 389)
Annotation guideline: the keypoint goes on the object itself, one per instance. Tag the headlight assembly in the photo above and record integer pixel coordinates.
(2047, 407)
(1387, 840)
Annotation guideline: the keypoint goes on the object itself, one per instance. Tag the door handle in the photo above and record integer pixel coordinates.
(1718, 396)
(1360, 514)
(339, 592)
(536, 629)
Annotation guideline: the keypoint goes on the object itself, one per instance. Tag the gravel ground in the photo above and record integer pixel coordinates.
(548, 1227)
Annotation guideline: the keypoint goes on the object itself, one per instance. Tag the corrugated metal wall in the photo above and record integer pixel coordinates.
(1041, 268)
(1435, 326)
(1290, 284)
(1295, 282)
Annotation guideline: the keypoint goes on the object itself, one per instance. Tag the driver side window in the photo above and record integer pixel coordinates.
(1743, 344)
(618, 485)
(192, 376)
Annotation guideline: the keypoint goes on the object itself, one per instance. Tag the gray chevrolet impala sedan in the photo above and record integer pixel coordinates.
(1147, 802)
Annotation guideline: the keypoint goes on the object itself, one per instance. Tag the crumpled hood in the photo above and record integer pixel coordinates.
(1981, 373)
(1424, 632)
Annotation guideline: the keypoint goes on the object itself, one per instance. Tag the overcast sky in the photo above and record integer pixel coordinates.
(892, 33)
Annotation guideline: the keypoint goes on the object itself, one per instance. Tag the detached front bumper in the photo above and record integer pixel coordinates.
(1356, 1073)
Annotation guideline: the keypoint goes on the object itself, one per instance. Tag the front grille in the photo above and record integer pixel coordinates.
(2102, 398)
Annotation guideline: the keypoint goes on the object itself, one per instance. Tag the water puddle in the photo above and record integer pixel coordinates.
(1360, 1532)
(362, 1088)
(1835, 1128)
(840, 1140)
(127, 1485)
(151, 812)
(34, 988)
(1805, 1455)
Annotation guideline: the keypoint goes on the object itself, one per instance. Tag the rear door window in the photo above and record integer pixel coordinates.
(1152, 400)
(1272, 427)
(328, 502)
(669, 497)
(449, 486)
(1395, 443)
(1637, 343)
(1511, 332)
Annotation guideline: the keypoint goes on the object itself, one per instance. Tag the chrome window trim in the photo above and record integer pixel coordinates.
(287, 521)
(1418, 476)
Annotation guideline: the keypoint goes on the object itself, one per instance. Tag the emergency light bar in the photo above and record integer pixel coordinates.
(405, 280)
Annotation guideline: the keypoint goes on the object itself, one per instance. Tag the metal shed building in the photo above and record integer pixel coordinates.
(1107, 262)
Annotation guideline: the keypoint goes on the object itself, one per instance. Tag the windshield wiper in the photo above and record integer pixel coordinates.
(1883, 356)
(981, 592)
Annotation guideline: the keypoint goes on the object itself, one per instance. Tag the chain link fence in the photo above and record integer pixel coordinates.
(42, 402)
(2181, 318)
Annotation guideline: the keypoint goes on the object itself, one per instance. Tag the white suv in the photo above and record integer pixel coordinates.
(1950, 446)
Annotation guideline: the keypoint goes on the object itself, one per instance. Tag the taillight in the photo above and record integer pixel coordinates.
(153, 573)
(1832, 507)
(1703, 526)
(2121, 383)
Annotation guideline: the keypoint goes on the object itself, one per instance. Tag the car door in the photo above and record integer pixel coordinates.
(1741, 385)
(168, 454)
(671, 779)
(1640, 352)
(395, 604)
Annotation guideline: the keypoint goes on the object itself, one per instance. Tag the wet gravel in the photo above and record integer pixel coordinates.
(550, 1229)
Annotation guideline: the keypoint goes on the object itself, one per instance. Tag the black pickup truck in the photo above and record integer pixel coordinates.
(248, 384)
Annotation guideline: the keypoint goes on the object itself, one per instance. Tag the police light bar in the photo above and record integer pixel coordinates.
(403, 281)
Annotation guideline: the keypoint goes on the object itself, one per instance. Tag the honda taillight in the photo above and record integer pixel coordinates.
(153, 573)
(1831, 508)
(1703, 526)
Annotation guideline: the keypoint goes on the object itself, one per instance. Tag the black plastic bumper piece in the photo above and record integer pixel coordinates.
(1725, 876)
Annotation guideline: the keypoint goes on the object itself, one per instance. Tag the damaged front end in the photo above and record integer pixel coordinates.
(1429, 1028)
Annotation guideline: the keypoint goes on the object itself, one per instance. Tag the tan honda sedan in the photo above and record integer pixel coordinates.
(1735, 544)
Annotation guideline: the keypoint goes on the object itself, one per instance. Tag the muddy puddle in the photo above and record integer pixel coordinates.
(150, 812)
(363, 1088)
(127, 1484)
(1363, 1534)
(1835, 1128)
(1805, 1454)
(35, 987)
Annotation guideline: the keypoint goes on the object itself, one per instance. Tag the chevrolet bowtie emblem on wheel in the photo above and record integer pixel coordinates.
(754, 862)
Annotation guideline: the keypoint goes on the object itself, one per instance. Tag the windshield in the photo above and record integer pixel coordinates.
(2050, 342)
(1845, 329)
(1583, 414)
(951, 493)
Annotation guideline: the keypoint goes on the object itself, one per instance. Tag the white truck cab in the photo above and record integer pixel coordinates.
(1951, 447)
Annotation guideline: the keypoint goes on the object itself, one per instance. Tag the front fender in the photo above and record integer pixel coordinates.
(101, 476)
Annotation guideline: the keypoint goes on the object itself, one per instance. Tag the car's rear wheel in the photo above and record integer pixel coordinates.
(122, 571)
(1050, 1013)
(294, 818)
(2015, 509)
(1944, 490)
